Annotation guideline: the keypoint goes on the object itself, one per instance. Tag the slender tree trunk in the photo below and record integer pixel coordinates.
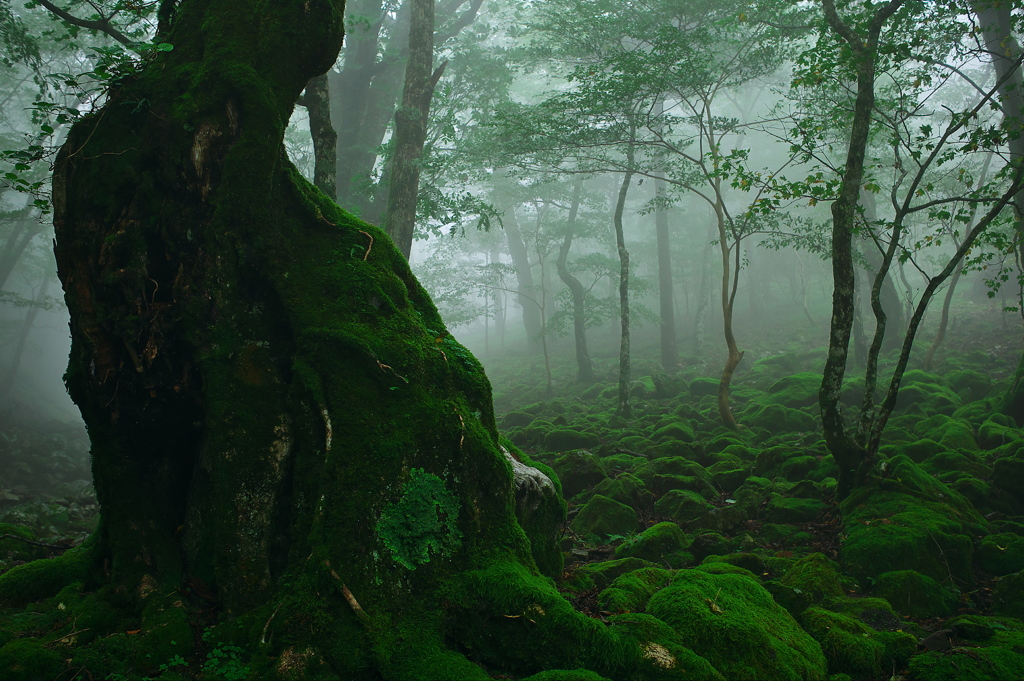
(18, 240)
(526, 289)
(940, 333)
(666, 303)
(317, 101)
(584, 367)
(850, 456)
(624, 408)
(7, 382)
(703, 300)
(730, 279)
(411, 126)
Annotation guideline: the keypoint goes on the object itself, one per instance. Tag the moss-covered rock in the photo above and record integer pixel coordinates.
(631, 591)
(29, 660)
(849, 645)
(793, 510)
(1000, 554)
(701, 387)
(919, 450)
(679, 430)
(927, 398)
(915, 595)
(1008, 475)
(796, 390)
(604, 517)
(731, 621)
(955, 462)
(777, 419)
(998, 430)
(905, 519)
(1008, 595)
(993, 654)
(682, 505)
(626, 489)
(659, 543)
(728, 476)
(515, 419)
(811, 580)
(579, 470)
(566, 675)
(564, 439)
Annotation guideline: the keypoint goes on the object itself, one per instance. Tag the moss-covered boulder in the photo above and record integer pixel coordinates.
(564, 439)
(1008, 595)
(793, 510)
(969, 384)
(811, 580)
(852, 647)
(600, 575)
(915, 595)
(664, 482)
(515, 419)
(776, 419)
(701, 387)
(631, 591)
(682, 505)
(728, 476)
(673, 465)
(796, 390)
(1008, 476)
(579, 470)
(661, 543)
(566, 675)
(919, 450)
(730, 620)
(992, 650)
(679, 430)
(927, 398)
(998, 430)
(29, 660)
(626, 489)
(946, 462)
(1000, 554)
(605, 517)
(905, 519)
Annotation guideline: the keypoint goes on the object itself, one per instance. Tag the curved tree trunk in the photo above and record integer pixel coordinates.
(585, 368)
(280, 423)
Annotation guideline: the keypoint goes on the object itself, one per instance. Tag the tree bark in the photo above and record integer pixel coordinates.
(317, 100)
(525, 288)
(411, 127)
(850, 456)
(624, 408)
(666, 303)
(279, 421)
(584, 367)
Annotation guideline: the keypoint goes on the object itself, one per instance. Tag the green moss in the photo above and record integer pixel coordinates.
(682, 505)
(787, 510)
(905, 519)
(812, 580)
(45, 577)
(422, 522)
(730, 620)
(777, 419)
(579, 470)
(1000, 554)
(1008, 595)
(661, 542)
(564, 439)
(977, 664)
(631, 591)
(604, 517)
(626, 489)
(566, 675)
(680, 431)
(920, 450)
(28, 660)
(600, 575)
(916, 595)
(849, 645)
(795, 390)
(700, 387)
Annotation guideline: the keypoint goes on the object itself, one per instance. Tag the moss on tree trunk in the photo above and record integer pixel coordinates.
(281, 425)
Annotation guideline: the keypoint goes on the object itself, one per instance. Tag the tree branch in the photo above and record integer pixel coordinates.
(103, 25)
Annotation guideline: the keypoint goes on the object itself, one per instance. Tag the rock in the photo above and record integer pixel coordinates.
(604, 517)
(915, 595)
(1001, 554)
(794, 510)
(662, 542)
(579, 470)
(631, 591)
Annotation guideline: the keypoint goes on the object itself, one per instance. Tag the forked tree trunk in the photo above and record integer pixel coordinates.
(624, 408)
(584, 367)
(279, 421)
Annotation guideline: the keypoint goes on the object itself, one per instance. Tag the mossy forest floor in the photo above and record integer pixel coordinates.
(731, 544)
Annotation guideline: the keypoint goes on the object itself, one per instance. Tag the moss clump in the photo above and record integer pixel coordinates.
(795, 391)
(566, 675)
(579, 470)
(730, 620)
(682, 505)
(626, 489)
(700, 387)
(1000, 554)
(29, 660)
(1008, 595)
(998, 430)
(904, 519)
(42, 578)
(916, 595)
(604, 517)
(631, 591)
(849, 645)
(563, 439)
(683, 432)
(422, 522)
(813, 579)
(600, 575)
(661, 542)
(792, 510)
(777, 419)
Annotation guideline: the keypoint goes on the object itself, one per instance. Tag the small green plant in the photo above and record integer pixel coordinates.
(176, 661)
(224, 662)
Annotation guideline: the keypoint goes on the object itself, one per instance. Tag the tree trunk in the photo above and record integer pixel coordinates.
(7, 382)
(730, 278)
(940, 333)
(411, 127)
(667, 308)
(525, 288)
(280, 423)
(585, 368)
(850, 457)
(624, 408)
(317, 101)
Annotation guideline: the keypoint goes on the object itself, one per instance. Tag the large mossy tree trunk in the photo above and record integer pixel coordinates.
(280, 423)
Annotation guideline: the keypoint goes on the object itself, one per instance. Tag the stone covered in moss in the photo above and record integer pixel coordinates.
(851, 646)
(600, 575)
(907, 520)
(564, 439)
(993, 650)
(682, 505)
(795, 390)
(916, 595)
(730, 620)
(631, 591)
(626, 489)
(777, 419)
(662, 542)
(566, 675)
(1000, 554)
(812, 579)
(679, 430)
(793, 510)
(579, 470)
(29, 660)
(605, 517)
(1008, 595)
(998, 430)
